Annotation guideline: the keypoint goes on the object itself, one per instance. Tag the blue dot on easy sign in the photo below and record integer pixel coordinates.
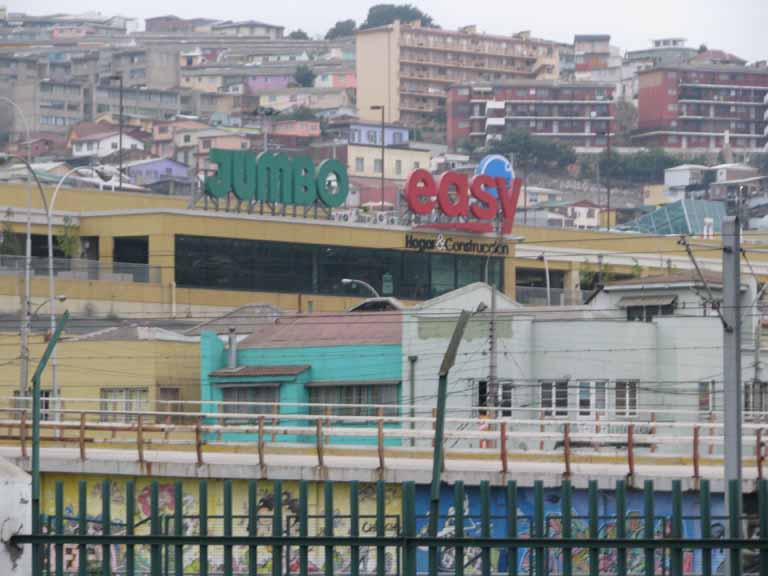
(496, 166)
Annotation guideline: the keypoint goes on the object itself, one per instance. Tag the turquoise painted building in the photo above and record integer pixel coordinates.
(306, 363)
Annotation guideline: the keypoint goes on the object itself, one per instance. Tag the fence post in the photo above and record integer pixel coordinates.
(354, 527)
(140, 438)
(503, 444)
(106, 526)
(565, 510)
(154, 527)
(319, 442)
(696, 452)
(59, 526)
(228, 522)
(458, 506)
(567, 449)
(178, 526)
(538, 527)
(23, 433)
(762, 496)
(328, 526)
(203, 529)
(621, 527)
(409, 528)
(648, 527)
(676, 555)
(82, 437)
(260, 446)
(485, 524)
(199, 443)
(130, 511)
(594, 528)
(706, 527)
(380, 439)
(277, 528)
(253, 521)
(82, 527)
(512, 526)
(381, 502)
(631, 450)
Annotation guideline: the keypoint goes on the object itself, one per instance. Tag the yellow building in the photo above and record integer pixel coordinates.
(653, 195)
(409, 68)
(146, 255)
(117, 369)
(365, 161)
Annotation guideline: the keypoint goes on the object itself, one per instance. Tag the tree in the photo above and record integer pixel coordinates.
(530, 153)
(342, 29)
(299, 113)
(626, 120)
(384, 14)
(9, 241)
(304, 76)
(298, 34)
(69, 241)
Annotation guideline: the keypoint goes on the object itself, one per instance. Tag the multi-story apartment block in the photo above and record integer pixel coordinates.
(138, 102)
(408, 69)
(700, 107)
(580, 113)
(154, 66)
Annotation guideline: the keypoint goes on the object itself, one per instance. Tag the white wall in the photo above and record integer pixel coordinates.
(15, 517)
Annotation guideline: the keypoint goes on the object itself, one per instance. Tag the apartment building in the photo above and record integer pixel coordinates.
(580, 113)
(138, 102)
(155, 66)
(408, 69)
(703, 107)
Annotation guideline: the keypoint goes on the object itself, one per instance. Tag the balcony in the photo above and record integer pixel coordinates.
(82, 269)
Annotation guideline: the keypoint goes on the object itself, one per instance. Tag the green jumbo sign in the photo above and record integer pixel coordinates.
(276, 178)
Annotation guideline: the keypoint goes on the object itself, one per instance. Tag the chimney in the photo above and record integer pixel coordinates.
(232, 361)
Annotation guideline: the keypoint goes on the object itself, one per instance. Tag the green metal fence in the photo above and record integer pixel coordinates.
(327, 543)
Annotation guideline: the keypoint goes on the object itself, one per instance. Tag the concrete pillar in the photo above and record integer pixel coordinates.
(162, 253)
(15, 518)
(106, 248)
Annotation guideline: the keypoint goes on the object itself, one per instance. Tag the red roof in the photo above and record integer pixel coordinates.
(343, 329)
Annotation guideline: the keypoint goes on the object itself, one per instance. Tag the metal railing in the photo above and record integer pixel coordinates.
(537, 296)
(484, 530)
(683, 439)
(83, 269)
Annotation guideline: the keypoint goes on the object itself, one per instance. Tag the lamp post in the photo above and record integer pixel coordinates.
(351, 282)
(24, 316)
(543, 258)
(51, 284)
(607, 134)
(25, 313)
(383, 147)
(119, 78)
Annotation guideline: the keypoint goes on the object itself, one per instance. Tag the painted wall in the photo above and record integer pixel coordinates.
(152, 172)
(327, 363)
(367, 501)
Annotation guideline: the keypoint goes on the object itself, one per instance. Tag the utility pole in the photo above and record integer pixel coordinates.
(731, 314)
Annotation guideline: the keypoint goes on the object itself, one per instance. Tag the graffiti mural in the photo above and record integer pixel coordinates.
(635, 526)
(266, 504)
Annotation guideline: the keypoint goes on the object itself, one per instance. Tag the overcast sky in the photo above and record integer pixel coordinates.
(738, 26)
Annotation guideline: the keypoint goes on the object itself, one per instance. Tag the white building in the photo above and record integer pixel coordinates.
(640, 346)
(105, 144)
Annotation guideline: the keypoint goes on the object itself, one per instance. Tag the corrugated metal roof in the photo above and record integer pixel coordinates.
(646, 301)
(346, 329)
(260, 371)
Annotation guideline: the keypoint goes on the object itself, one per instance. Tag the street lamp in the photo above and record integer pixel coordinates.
(351, 282)
(51, 284)
(543, 258)
(383, 146)
(24, 364)
(24, 352)
(59, 297)
(607, 134)
(119, 77)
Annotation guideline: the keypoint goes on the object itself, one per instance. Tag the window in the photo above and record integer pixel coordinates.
(170, 401)
(358, 397)
(397, 138)
(359, 164)
(707, 396)
(755, 396)
(591, 399)
(503, 400)
(554, 398)
(371, 137)
(187, 138)
(377, 165)
(640, 313)
(416, 165)
(626, 398)
(45, 403)
(398, 167)
(117, 404)
(253, 394)
(114, 146)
